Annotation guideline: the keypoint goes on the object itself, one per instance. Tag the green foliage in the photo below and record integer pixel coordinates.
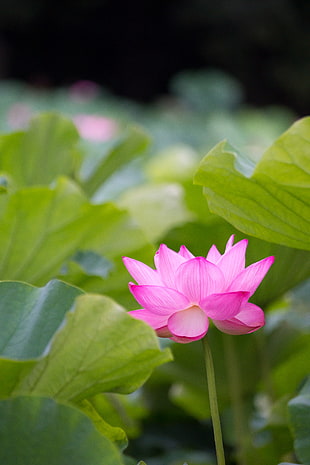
(156, 207)
(59, 343)
(91, 365)
(29, 316)
(70, 352)
(40, 154)
(131, 144)
(42, 227)
(36, 430)
(44, 336)
(271, 200)
(207, 91)
(299, 409)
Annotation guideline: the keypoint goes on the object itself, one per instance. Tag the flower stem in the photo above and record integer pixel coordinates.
(235, 386)
(217, 431)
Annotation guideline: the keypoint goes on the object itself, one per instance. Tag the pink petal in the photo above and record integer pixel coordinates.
(142, 273)
(213, 255)
(223, 306)
(249, 319)
(230, 243)
(153, 319)
(250, 278)
(185, 253)
(167, 262)
(233, 261)
(191, 323)
(198, 278)
(157, 299)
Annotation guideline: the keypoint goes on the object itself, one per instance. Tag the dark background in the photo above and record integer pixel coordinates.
(134, 48)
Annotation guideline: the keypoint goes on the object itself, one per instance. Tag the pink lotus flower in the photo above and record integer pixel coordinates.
(184, 292)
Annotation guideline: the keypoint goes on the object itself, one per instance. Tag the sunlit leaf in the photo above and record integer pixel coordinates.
(42, 227)
(156, 207)
(46, 150)
(89, 346)
(39, 330)
(69, 351)
(270, 201)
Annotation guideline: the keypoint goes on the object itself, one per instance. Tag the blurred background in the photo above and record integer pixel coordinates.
(135, 49)
(151, 86)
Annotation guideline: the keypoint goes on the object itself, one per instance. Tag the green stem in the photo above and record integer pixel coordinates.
(234, 377)
(217, 431)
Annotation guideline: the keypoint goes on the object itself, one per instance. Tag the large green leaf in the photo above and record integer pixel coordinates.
(41, 227)
(46, 150)
(272, 201)
(29, 316)
(39, 336)
(39, 431)
(103, 349)
(299, 409)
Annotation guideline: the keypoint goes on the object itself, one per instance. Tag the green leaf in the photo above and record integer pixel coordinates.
(46, 150)
(115, 415)
(119, 410)
(92, 263)
(288, 375)
(37, 324)
(44, 330)
(29, 316)
(114, 433)
(299, 410)
(272, 201)
(42, 227)
(156, 207)
(103, 349)
(175, 163)
(132, 144)
(40, 431)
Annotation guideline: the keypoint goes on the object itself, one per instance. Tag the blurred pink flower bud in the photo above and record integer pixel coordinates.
(184, 292)
(95, 128)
